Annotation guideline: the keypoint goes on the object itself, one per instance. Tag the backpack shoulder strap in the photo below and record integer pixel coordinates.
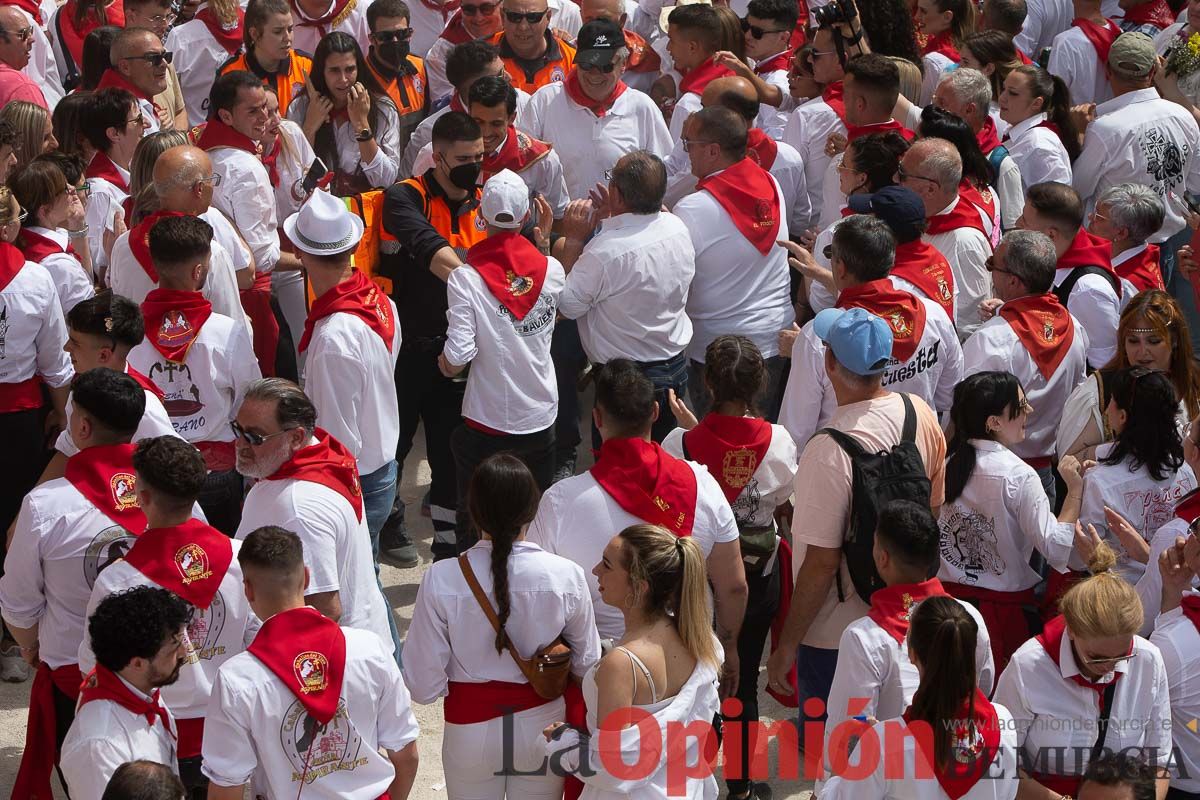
(909, 433)
(1064, 289)
(481, 598)
(996, 158)
(845, 441)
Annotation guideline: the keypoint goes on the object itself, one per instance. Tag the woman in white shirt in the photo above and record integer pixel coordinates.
(951, 729)
(1042, 137)
(1141, 474)
(666, 665)
(994, 54)
(996, 512)
(945, 23)
(1088, 682)
(452, 650)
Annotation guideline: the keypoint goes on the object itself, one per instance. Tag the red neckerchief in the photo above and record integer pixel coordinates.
(11, 262)
(835, 99)
(101, 166)
(230, 39)
(1024, 59)
(104, 475)
(456, 31)
(855, 131)
(324, 23)
(1102, 38)
(218, 134)
(1089, 250)
(189, 559)
(307, 651)
(357, 295)
(147, 384)
(328, 463)
(942, 43)
(1044, 327)
(1154, 12)
(779, 61)
(1142, 270)
(114, 14)
(761, 149)
(642, 57)
(518, 153)
(1051, 641)
(986, 136)
(111, 79)
(700, 76)
(270, 160)
(139, 241)
(1190, 605)
(902, 310)
(456, 103)
(976, 737)
(731, 448)
(891, 606)
(924, 266)
(31, 8)
(747, 193)
(647, 482)
(1188, 507)
(598, 107)
(963, 215)
(173, 319)
(982, 199)
(104, 684)
(512, 268)
(441, 8)
(36, 247)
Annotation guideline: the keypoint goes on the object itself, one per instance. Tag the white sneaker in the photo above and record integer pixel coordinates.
(13, 668)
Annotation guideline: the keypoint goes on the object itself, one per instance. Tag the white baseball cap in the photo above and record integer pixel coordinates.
(505, 201)
(323, 226)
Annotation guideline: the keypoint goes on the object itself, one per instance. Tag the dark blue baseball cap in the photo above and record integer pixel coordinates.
(898, 206)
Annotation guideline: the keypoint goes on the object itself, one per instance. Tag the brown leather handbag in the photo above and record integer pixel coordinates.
(549, 669)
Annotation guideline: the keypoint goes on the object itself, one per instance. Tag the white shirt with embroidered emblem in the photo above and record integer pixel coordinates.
(33, 330)
(992, 528)
(808, 129)
(773, 120)
(996, 346)
(337, 546)
(1038, 151)
(198, 55)
(215, 634)
(307, 34)
(381, 171)
(1147, 503)
(292, 168)
(154, 422)
(588, 145)
(577, 519)
(915, 780)
(104, 735)
(256, 730)
(245, 196)
(736, 289)
(73, 283)
(104, 204)
(1041, 696)
(450, 639)
(629, 288)
(967, 250)
(1141, 138)
(1073, 59)
(1094, 303)
(204, 392)
(1178, 640)
(423, 134)
(350, 375)
(1044, 20)
(930, 373)
(511, 386)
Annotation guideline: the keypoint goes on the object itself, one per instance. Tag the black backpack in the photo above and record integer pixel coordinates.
(876, 480)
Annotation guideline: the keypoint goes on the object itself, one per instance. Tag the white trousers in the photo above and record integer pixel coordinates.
(474, 757)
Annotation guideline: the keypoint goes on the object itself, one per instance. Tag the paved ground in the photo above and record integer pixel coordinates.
(400, 586)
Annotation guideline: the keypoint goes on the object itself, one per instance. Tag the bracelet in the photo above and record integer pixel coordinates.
(77, 234)
(855, 39)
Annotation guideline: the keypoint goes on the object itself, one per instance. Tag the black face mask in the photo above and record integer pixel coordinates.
(394, 53)
(465, 176)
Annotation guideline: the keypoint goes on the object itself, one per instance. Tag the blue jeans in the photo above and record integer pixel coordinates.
(379, 491)
(670, 373)
(767, 403)
(814, 677)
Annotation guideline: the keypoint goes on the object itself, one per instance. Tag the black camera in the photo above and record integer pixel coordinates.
(835, 13)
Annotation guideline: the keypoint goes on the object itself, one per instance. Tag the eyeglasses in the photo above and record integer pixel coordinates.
(756, 31)
(254, 439)
(844, 168)
(1114, 660)
(818, 53)
(22, 35)
(483, 9)
(84, 189)
(163, 19)
(153, 59)
(687, 143)
(139, 119)
(387, 37)
(214, 179)
(900, 173)
(605, 68)
(532, 17)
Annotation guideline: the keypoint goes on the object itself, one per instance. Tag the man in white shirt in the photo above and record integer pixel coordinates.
(201, 360)
(644, 63)
(1084, 280)
(201, 45)
(768, 31)
(464, 25)
(113, 124)
(933, 169)
(1039, 22)
(141, 644)
(306, 686)
(628, 279)
(694, 34)
(742, 283)
(317, 18)
(1079, 54)
(307, 482)
(1177, 635)
(1127, 215)
(502, 306)
(139, 66)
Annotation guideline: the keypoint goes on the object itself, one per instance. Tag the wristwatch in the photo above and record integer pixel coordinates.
(364, 135)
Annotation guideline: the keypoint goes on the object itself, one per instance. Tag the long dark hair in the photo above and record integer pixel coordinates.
(995, 48)
(877, 156)
(339, 42)
(1150, 437)
(938, 123)
(942, 636)
(1056, 99)
(976, 398)
(889, 27)
(502, 499)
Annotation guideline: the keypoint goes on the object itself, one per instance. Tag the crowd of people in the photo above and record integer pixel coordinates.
(884, 316)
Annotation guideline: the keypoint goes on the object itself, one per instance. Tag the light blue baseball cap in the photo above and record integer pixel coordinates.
(861, 341)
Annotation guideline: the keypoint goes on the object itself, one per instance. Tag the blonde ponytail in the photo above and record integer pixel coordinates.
(1104, 605)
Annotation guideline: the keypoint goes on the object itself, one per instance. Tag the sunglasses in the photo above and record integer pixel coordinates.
(532, 17)
(251, 438)
(605, 68)
(387, 37)
(483, 9)
(153, 59)
(22, 35)
(758, 32)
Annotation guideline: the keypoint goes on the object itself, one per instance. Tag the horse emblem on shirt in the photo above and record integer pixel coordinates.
(192, 563)
(124, 491)
(518, 284)
(175, 329)
(737, 467)
(311, 670)
(901, 325)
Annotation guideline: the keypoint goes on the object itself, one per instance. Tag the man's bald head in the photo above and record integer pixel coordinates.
(613, 10)
(182, 179)
(732, 92)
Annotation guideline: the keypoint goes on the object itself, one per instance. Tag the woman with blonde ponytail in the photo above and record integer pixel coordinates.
(666, 665)
(1087, 682)
(201, 46)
